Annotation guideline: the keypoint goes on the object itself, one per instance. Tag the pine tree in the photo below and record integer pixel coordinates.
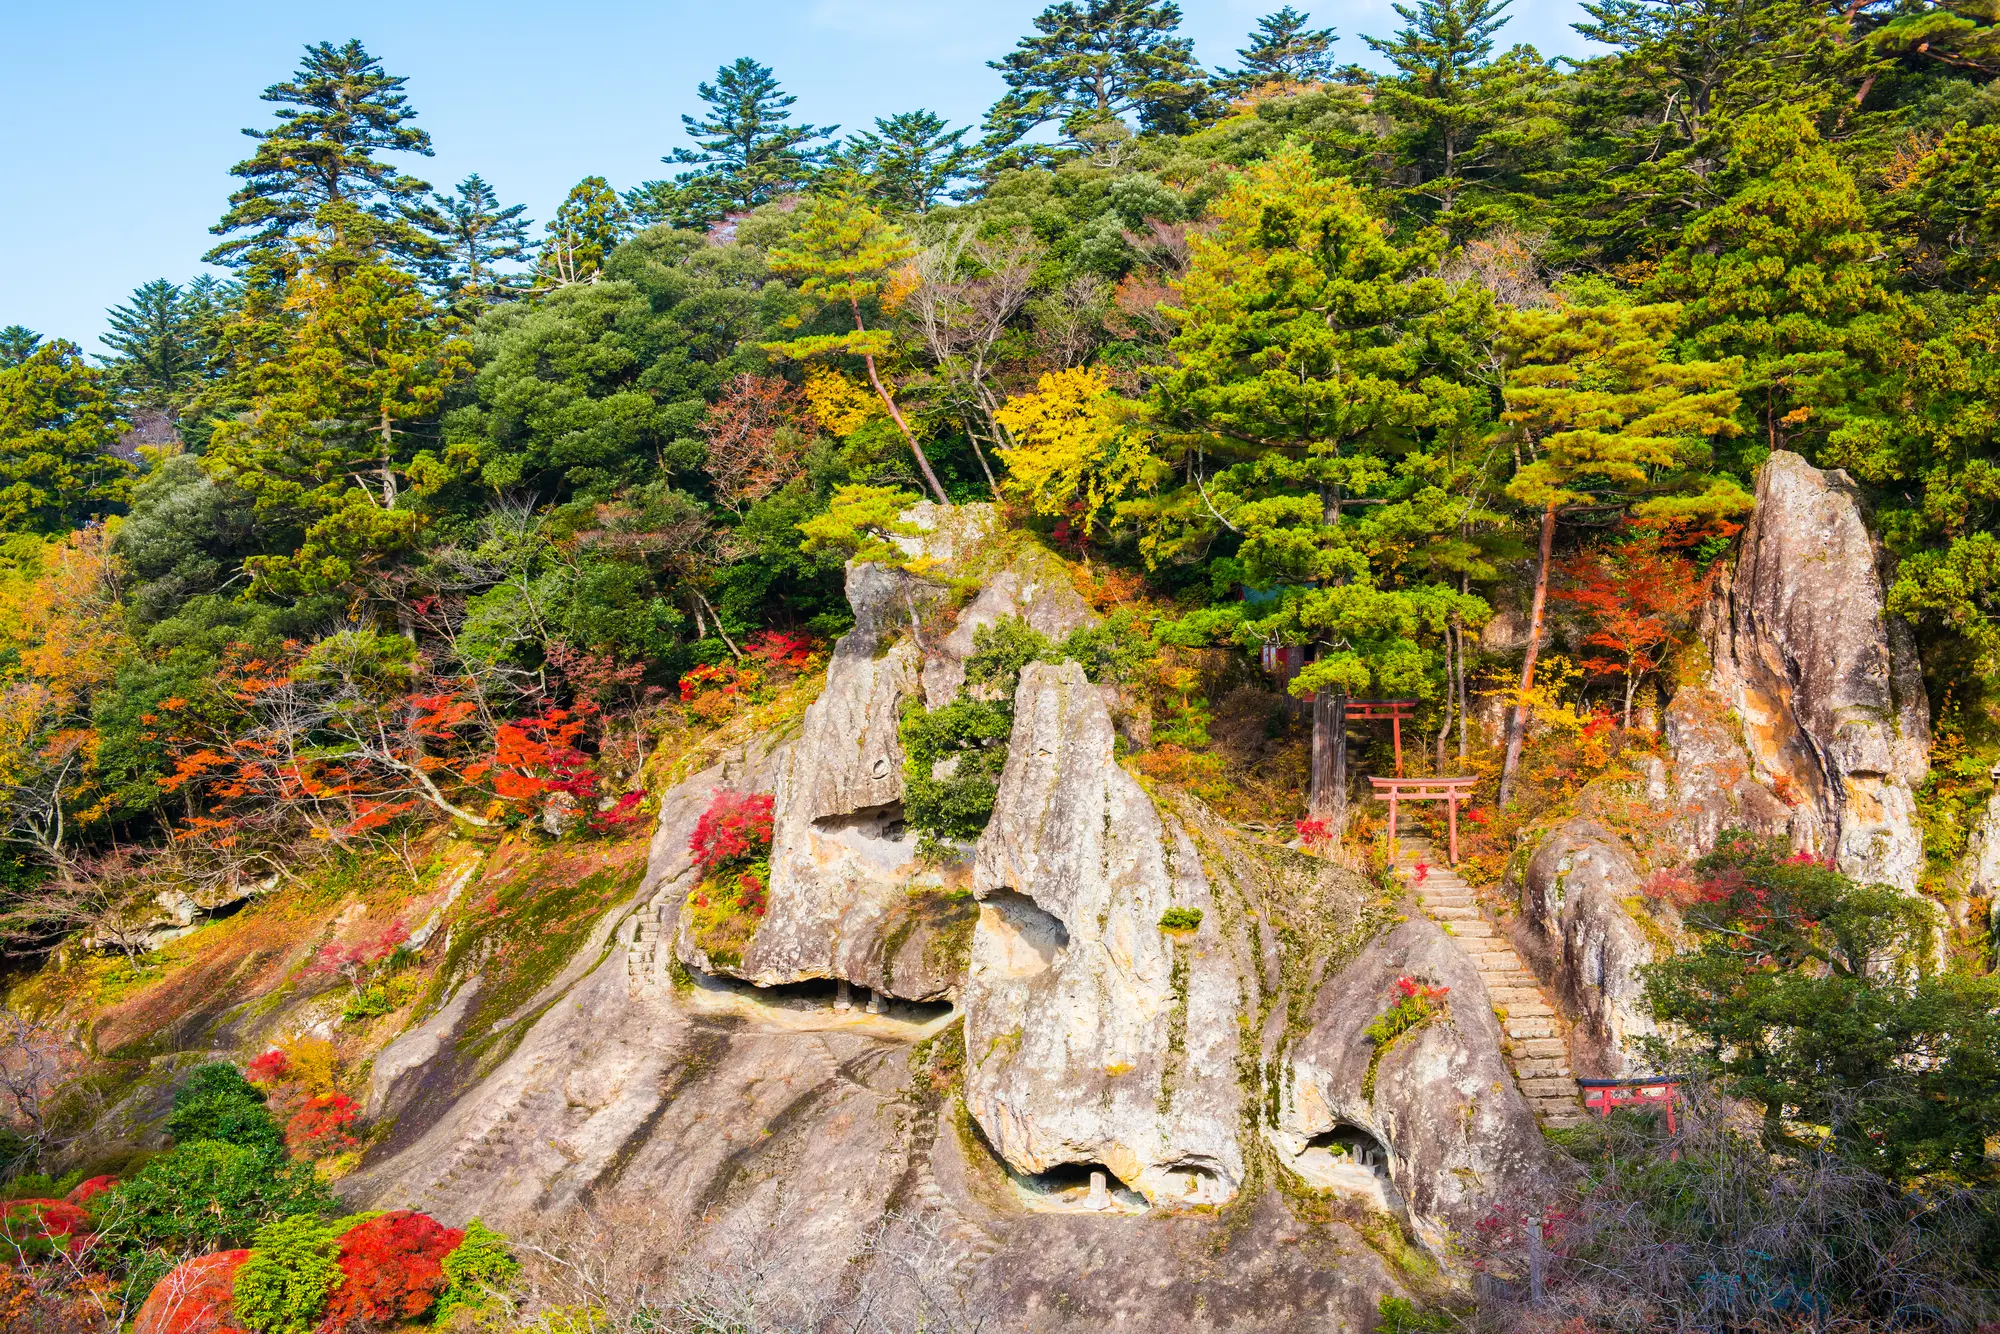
(842, 255)
(58, 424)
(586, 228)
(1608, 426)
(747, 152)
(908, 161)
(1460, 116)
(328, 447)
(17, 344)
(1096, 62)
(478, 235)
(1786, 275)
(1283, 51)
(338, 111)
(1336, 367)
(157, 339)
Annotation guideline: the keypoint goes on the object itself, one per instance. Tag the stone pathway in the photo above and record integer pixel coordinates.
(1536, 1048)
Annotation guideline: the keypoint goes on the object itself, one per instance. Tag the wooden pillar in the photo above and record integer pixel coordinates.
(1327, 799)
(1396, 724)
(1392, 829)
(1451, 801)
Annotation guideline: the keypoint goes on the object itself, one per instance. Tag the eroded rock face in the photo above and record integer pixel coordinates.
(1576, 898)
(848, 898)
(1033, 587)
(1092, 1036)
(1715, 785)
(1443, 1103)
(1825, 682)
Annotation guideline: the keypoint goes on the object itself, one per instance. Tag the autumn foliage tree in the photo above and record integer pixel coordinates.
(753, 447)
(1637, 597)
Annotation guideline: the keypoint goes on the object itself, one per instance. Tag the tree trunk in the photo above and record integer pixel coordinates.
(1444, 728)
(1518, 730)
(1328, 798)
(896, 413)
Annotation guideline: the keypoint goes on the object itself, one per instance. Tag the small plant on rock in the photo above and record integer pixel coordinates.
(1181, 920)
(1415, 1005)
(731, 845)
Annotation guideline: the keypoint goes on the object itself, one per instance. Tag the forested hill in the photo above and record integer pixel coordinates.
(431, 525)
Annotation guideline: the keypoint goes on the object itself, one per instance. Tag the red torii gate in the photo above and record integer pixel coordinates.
(1603, 1096)
(1397, 711)
(1451, 791)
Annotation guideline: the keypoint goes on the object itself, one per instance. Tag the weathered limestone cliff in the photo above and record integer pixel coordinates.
(1825, 681)
(1812, 725)
(1191, 1067)
(1092, 1036)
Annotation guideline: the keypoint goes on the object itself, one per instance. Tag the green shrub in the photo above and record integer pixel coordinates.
(1400, 1315)
(206, 1196)
(476, 1269)
(1181, 919)
(293, 1268)
(227, 1118)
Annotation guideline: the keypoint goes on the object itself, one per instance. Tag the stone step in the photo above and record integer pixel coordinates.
(1469, 927)
(1553, 1086)
(1527, 1010)
(1520, 999)
(1531, 1029)
(1542, 1067)
(1453, 913)
(1551, 1046)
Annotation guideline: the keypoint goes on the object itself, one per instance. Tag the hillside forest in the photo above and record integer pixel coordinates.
(1448, 382)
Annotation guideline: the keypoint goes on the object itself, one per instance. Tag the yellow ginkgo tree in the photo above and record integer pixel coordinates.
(843, 256)
(1078, 449)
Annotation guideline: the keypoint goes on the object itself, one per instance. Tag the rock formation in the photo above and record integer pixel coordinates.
(1092, 1035)
(1580, 900)
(1826, 683)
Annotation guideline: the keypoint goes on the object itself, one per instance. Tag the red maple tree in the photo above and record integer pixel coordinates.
(1637, 596)
(392, 1270)
(197, 1297)
(752, 450)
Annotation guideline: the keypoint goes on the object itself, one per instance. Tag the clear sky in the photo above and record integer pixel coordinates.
(119, 119)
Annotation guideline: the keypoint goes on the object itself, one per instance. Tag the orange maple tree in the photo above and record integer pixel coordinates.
(1637, 596)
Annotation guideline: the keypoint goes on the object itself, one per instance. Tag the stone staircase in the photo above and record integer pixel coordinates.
(1535, 1046)
(968, 1245)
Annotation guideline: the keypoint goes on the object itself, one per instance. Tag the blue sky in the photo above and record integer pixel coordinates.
(121, 120)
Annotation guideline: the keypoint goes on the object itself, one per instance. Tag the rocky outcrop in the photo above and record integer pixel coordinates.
(1581, 901)
(1032, 586)
(1826, 683)
(1440, 1100)
(1092, 1035)
(1715, 786)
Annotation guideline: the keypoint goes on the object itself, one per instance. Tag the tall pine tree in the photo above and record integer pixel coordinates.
(586, 228)
(478, 235)
(1095, 62)
(336, 114)
(58, 423)
(1283, 51)
(747, 152)
(908, 161)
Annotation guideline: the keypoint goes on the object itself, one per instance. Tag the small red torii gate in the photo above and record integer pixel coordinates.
(1397, 711)
(1604, 1096)
(1451, 791)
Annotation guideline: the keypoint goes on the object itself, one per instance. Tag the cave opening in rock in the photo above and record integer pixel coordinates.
(824, 996)
(1345, 1147)
(878, 834)
(1078, 1188)
(1020, 937)
(1350, 1145)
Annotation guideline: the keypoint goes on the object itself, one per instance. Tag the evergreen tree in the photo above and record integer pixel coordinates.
(1459, 116)
(1782, 276)
(1608, 426)
(842, 255)
(586, 228)
(57, 427)
(159, 343)
(1337, 368)
(337, 112)
(328, 446)
(747, 152)
(1282, 51)
(17, 344)
(909, 160)
(478, 235)
(1095, 62)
